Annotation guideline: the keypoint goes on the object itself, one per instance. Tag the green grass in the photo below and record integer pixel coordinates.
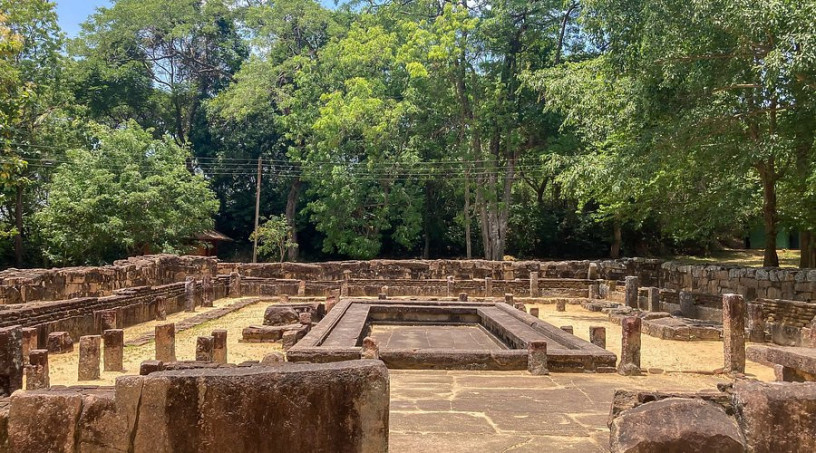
(746, 258)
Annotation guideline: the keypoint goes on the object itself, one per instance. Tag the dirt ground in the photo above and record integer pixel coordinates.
(670, 357)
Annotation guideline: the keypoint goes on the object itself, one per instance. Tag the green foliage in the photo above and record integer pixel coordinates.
(128, 193)
(274, 237)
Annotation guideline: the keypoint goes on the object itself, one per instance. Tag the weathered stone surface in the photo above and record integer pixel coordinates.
(534, 312)
(630, 346)
(114, 342)
(235, 285)
(371, 349)
(160, 310)
(756, 323)
(777, 417)
(280, 316)
(207, 291)
(189, 294)
(342, 406)
(219, 345)
(734, 333)
(687, 306)
(150, 366)
(89, 357)
(534, 292)
(568, 329)
(204, 349)
(537, 358)
(676, 425)
(60, 343)
(263, 334)
(305, 318)
(165, 335)
(631, 291)
(29, 342)
(11, 360)
(36, 371)
(106, 319)
(597, 336)
(463, 297)
(561, 305)
(44, 421)
(508, 299)
(799, 362)
(274, 359)
(653, 299)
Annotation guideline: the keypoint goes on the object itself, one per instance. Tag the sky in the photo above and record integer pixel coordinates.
(74, 12)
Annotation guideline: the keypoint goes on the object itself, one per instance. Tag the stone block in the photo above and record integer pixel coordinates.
(29, 342)
(60, 343)
(630, 346)
(189, 294)
(371, 349)
(160, 308)
(537, 358)
(219, 346)
(734, 333)
(776, 417)
(597, 336)
(11, 360)
(89, 357)
(276, 315)
(204, 349)
(165, 336)
(37, 372)
(631, 291)
(114, 342)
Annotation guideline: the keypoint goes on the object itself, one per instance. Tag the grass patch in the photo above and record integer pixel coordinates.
(746, 258)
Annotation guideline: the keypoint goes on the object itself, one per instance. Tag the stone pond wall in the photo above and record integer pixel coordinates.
(293, 408)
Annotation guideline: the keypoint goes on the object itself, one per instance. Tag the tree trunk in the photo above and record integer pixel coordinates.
(770, 216)
(291, 213)
(615, 250)
(18, 223)
(468, 247)
(807, 247)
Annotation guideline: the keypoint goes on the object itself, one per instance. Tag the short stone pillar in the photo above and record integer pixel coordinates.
(537, 358)
(371, 349)
(106, 320)
(11, 360)
(150, 366)
(734, 333)
(560, 305)
(347, 275)
(207, 291)
(305, 318)
(189, 294)
(687, 308)
(653, 299)
(384, 292)
(592, 271)
(463, 297)
(29, 342)
(568, 329)
(508, 271)
(204, 349)
(235, 285)
(756, 323)
(36, 372)
(219, 346)
(165, 335)
(631, 291)
(89, 357)
(488, 287)
(508, 298)
(534, 284)
(597, 336)
(289, 339)
(331, 301)
(302, 288)
(160, 308)
(450, 283)
(534, 312)
(113, 346)
(60, 343)
(344, 289)
(594, 290)
(630, 346)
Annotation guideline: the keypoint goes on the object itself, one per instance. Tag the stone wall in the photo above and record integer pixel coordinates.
(292, 408)
(28, 285)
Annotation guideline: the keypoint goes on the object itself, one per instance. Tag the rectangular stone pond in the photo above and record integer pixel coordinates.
(445, 335)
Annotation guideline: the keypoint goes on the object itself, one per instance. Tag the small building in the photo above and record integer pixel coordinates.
(208, 242)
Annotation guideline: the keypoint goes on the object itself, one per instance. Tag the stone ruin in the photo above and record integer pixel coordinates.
(334, 318)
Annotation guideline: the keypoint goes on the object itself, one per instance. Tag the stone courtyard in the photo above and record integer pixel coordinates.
(451, 405)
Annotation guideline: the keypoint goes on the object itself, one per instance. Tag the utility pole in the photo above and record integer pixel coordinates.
(257, 212)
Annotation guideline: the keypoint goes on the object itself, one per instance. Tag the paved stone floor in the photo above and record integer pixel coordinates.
(461, 411)
(435, 337)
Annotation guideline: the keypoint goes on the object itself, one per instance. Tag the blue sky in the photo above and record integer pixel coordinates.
(74, 12)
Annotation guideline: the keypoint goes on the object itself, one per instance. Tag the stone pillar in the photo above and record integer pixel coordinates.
(106, 320)
(166, 342)
(219, 346)
(383, 295)
(534, 312)
(560, 305)
(756, 323)
(630, 346)
(36, 372)
(305, 318)
(508, 299)
(508, 271)
(347, 275)
(29, 342)
(344, 289)
(371, 349)
(204, 349)
(597, 336)
(207, 291)
(11, 360)
(653, 299)
(488, 287)
(302, 288)
(534, 284)
(235, 285)
(331, 301)
(463, 297)
(687, 304)
(189, 294)
(114, 343)
(568, 329)
(592, 271)
(537, 358)
(89, 358)
(160, 309)
(632, 286)
(450, 290)
(734, 333)
(290, 338)
(60, 343)
(594, 290)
